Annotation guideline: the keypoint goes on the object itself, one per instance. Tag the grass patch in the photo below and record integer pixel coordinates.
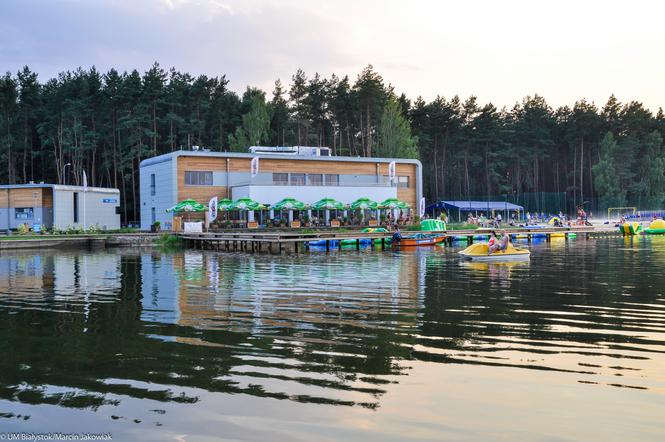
(461, 226)
(170, 242)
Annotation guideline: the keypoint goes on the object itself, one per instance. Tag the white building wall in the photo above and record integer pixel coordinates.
(160, 289)
(96, 208)
(164, 194)
(312, 194)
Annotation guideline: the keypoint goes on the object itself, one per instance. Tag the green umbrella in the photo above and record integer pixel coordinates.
(327, 203)
(224, 204)
(188, 205)
(289, 204)
(393, 203)
(245, 204)
(363, 204)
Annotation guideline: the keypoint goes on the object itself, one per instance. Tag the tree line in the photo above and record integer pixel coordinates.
(106, 123)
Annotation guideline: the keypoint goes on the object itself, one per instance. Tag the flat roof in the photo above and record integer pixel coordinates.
(197, 153)
(59, 187)
(470, 206)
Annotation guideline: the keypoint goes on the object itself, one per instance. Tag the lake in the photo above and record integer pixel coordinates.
(369, 345)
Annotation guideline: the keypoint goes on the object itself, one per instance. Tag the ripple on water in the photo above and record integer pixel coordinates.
(342, 329)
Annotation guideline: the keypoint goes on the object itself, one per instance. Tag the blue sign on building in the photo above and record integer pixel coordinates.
(110, 200)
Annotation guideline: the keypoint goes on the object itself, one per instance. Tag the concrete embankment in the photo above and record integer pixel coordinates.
(79, 241)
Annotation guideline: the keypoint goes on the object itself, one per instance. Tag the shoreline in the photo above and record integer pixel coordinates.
(103, 240)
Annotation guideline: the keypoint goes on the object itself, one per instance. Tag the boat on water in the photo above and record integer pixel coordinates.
(346, 242)
(420, 239)
(478, 252)
(657, 227)
(322, 243)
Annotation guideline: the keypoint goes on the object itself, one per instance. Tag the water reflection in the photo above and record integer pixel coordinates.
(90, 330)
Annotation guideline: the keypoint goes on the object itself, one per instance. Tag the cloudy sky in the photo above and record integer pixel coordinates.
(499, 51)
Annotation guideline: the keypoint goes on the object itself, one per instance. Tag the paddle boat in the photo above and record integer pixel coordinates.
(420, 239)
(533, 234)
(657, 227)
(478, 252)
(322, 243)
(347, 242)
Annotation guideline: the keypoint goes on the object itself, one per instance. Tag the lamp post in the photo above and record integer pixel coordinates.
(64, 175)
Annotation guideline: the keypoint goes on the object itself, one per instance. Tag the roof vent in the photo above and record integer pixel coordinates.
(195, 148)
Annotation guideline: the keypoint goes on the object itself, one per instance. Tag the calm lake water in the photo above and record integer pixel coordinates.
(352, 345)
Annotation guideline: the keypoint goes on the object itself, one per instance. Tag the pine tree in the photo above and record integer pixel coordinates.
(279, 109)
(395, 136)
(606, 177)
(255, 127)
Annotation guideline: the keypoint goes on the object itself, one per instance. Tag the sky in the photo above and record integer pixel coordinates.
(499, 51)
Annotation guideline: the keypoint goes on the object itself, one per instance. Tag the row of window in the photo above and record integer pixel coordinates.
(199, 178)
(302, 179)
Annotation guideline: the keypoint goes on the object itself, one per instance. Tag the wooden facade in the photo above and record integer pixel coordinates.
(26, 197)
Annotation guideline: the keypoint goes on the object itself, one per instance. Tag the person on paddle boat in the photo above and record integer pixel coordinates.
(493, 239)
(501, 244)
(397, 236)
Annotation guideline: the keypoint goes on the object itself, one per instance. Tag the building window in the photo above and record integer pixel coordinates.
(280, 179)
(402, 181)
(198, 178)
(152, 185)
(153, 215)
(315, 179)
(332, 180)
(23, 213)
(297, 179)
(76, 207)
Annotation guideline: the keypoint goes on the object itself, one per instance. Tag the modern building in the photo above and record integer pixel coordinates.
(307, 175)
(59, 206)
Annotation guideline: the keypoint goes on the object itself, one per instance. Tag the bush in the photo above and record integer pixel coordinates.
(170, 241)
(93, 229)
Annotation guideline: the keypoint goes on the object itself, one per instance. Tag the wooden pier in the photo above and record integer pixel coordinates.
(249, 241)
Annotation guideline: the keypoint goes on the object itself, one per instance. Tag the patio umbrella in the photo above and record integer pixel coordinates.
(224, 204)
(363, 204)
(328, 204)
(188, 205)
(246, 205)
(393, 203)
(289, 204)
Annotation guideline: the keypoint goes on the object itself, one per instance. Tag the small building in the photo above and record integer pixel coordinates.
(59, 206)
(460, 210)
(307, 174)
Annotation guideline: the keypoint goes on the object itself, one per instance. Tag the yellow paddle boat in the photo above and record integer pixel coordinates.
(478, 252)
